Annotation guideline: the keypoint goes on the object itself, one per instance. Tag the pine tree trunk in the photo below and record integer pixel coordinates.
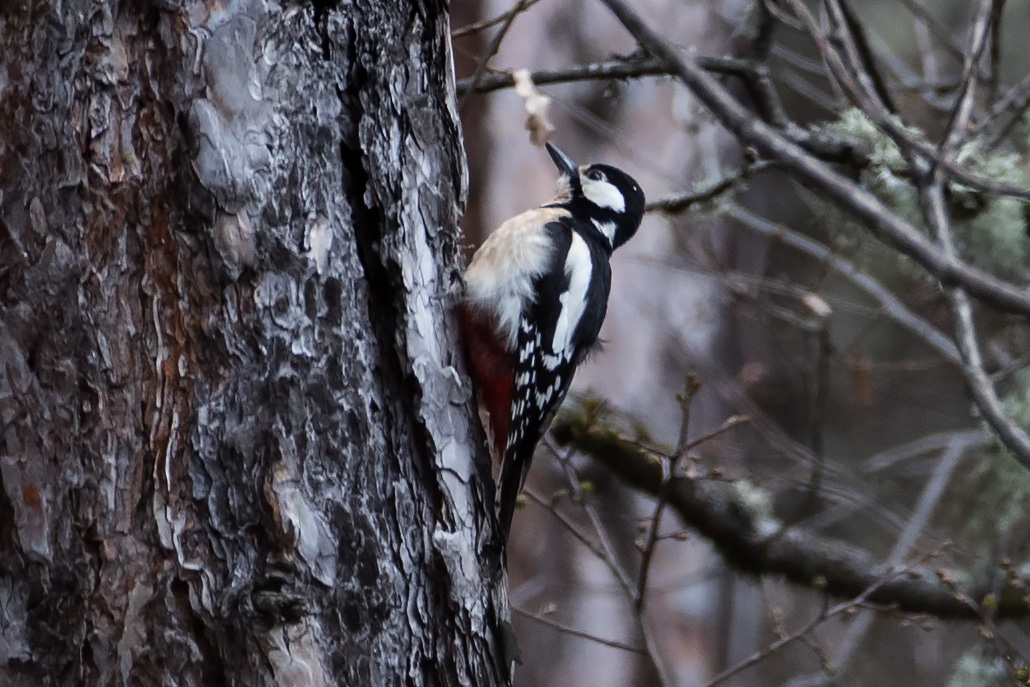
(235, 444)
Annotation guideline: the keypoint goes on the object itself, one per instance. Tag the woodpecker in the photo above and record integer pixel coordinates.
(536, 293)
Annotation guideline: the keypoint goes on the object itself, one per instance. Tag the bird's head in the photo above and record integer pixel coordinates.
(608, 197)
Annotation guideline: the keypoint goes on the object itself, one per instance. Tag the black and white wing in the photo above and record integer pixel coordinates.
(553, 337)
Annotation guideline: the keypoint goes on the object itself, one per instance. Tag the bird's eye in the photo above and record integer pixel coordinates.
(596, 175)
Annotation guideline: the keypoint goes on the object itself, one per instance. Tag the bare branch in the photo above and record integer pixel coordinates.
(605, 551)
(585, 540)
(890, 305)
(565, 629)
(994, 31)
(923, 27)
(729, 423)
(932, 189)
(986, 398)
(955, 130)
(486, 24)
(1015, 102)
(802, 631)
(859, 54)
(1005, 650)
(595, 71)
(931, 442)
(819, 392)
(928, 501)
(684, 201)
(757, 544)
(837, 52)
(1014, 437)
(754, 75)
(493, 46)
(938, 31)
(669, 466)
(879, 219)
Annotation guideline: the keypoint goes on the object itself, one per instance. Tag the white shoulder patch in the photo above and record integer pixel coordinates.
(578, 268)
(500, 278)
(603, 194)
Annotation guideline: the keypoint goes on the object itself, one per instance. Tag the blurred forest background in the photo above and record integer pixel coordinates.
(826, 359)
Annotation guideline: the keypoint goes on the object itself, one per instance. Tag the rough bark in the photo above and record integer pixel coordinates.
(235, 444)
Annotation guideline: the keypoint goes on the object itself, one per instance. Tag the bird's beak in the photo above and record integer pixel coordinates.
(563, 162)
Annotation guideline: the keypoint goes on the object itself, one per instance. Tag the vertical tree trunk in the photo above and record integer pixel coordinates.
(234, 445)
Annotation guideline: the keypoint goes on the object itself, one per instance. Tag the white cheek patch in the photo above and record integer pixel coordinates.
(603, 194)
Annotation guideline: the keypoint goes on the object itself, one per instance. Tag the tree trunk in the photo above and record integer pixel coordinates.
(235, 446)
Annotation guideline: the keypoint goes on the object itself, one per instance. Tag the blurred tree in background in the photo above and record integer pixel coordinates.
(819, 333)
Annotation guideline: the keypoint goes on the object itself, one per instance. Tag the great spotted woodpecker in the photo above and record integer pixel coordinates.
(536, 295)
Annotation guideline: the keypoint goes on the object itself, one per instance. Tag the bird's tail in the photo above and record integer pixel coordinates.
(514, 468)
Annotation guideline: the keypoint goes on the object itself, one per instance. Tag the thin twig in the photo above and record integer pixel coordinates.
(994, 31)
(1005, 650)
(986, 398)
(827, 613)
(729, 423)
(1014, 437)
(604, 552)
(890, 304)
(669, 467)
(1016, 101)
(879, 220)
(921, 25)
(565, 629)
(970, 438)
(493, 46)
(488, 23)
(717, 510)
(595, 71)
(754, 75)
(955, 130)
(684, 201)
(606, 547)
(939, 32)
(578, 534)
(928, 501)
(859, 54)
(650, 643)
(918, 153)
(820, 391)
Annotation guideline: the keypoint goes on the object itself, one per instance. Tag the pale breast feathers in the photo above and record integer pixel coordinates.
(500, 279)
